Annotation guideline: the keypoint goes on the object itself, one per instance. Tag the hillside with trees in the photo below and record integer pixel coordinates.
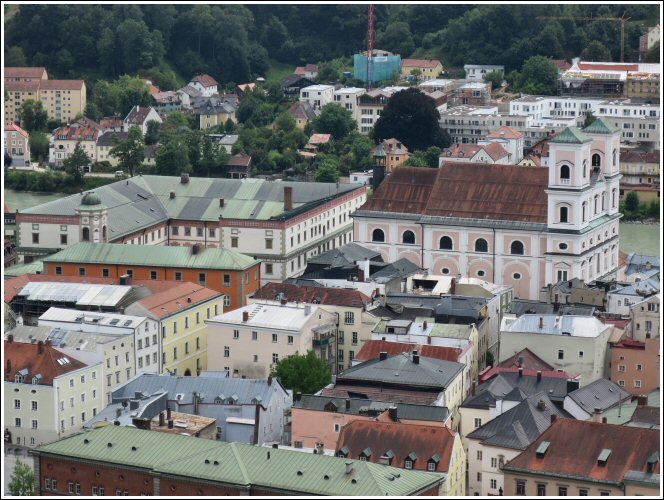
(236, 43)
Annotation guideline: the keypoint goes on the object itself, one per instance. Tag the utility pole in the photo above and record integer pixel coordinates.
(370, 46)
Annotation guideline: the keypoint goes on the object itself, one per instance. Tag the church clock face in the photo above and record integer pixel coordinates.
(84, 220)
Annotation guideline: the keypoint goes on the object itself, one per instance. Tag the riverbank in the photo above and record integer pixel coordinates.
(51, 182)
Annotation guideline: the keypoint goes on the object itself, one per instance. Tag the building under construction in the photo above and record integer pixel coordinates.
(385, 65)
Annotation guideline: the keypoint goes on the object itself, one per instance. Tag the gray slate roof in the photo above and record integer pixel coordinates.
(207, 385)
(519, 426)
(645, 287)
(462, 307)
(111, 138)
(639, 263)
(359, 405)
(502, 385)
(343, 255)
(398, 269)
(601, 393)
(400, 370)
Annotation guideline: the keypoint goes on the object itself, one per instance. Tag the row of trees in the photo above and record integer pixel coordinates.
(234, 43)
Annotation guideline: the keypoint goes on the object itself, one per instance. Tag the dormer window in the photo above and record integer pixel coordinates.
(365, 454)
(343, 452)
(433, 462)
(19, 378)
(410, 460)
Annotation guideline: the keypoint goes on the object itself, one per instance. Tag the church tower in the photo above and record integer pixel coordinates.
(93, 226)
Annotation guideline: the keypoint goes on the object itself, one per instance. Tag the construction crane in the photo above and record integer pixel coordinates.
(622, 20)
(370, 46)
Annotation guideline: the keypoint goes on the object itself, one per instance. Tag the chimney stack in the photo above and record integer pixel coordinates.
(170, 423)
(642, 400)
(453, 286)
(520, 360)
(184, 178)
(195, 249)
(161, 419)
(541, 405)
(520, 371)
(283, 302)
(221, 203)
(424, 326)
(269, 379)
(288, 198)
(245, 316)
(553, 418)
(428, 339)
(10, 338)
(539, 375)
(172, 194)
(541, 322)
(349, 466)
(40, 347)
(416, 358)
(382, 356)
(392, 412)
(168, 413)
(597, 415)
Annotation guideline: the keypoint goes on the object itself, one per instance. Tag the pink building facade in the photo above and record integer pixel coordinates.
(523, 227)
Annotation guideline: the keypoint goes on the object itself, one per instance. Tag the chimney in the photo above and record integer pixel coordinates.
(392, 412)
(453, 286)
(360, 275)
(349, 466)
(10, 338)
(541, 405)
(541, 323)
(416, 358)
(172, 194)
(604, 420)
(269, 379)
(168, 413)
(40, 347)
(162, 421)
(472, 389)
(553, 418)
(288, 198)
(170, 423)
(428, 340)
(642, 400)
(245, 316)
(424, 326)
(539, 375)
(283, 302)
(520, 360)
(9, 365)
(307, 309)
(520, 371)
(221, 203)
(348, 404)
(597, 415)
(184, 178)
(382, 356)
(195, 249)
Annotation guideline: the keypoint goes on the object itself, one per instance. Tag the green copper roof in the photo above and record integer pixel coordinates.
(600, 126)
(571, 135)
(35, 267)
(152, 255)
(243, 465)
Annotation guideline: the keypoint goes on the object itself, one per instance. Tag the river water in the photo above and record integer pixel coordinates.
(638, 238)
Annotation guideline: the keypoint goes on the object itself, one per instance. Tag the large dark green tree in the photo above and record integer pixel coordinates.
(596, 51)
(173, 158)
(412, 118)
(130, 152)
(539, 76)
(306, 374)
(74, 164)
(335, 120)
(33, 116)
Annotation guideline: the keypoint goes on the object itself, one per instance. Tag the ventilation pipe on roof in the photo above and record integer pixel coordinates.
(245, 316)
(349, 466)
(168, 413)
(553, 418)
(162, 421)
(539, 375)
(541, 322)
(520, 371)
(184, 178)
(541, 405)
(172, 194)
(382, 356)
(170, 423)
(269, 379)
(40, 347)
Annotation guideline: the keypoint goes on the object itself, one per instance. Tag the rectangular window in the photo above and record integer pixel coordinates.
(583, 492)
(639, 367)
(275, 358)
(637, 384)
(562, 491)
(268, 243)
(33, 405)
(153, 275)
(541, 490)
(187, 231)
(35, 238)
(254, 335)
(521, 488)
(78, 488)
(17, 404)
(478, 423)
(35, 424)
(178, 276)
(494, 462)
(202, 279)
(354, 339)
(234, 240)
(561, 354)
(186, 325)
(236, 334)
(81, 271)
(58, 270)
(186, 347)
(71, 486)
(212, 233)
(494, 484)
(198, 343)
(199, 232)
(227, 280)
(47, 484)
(479, 477)
(227, 300)
(274, 337)
(479, 455)
(268, 269)
(63, 239)
(290, 340)
(227, 352)
(175, 353)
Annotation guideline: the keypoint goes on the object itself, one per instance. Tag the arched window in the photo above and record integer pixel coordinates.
(516, 248)
(585, 168)
(565, 172)
(408, 238)
(614, 198)
(95, 237)
(86, 234)
(378, 235)
(583, 211)
(103, 233)
(615, 157)
(481, 245)
(597, 160)
(563, 214)
(445, 243)
(603, 202)
(596, 204)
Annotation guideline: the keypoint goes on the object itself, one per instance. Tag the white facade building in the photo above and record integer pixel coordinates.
(347, 98)
(317, 95)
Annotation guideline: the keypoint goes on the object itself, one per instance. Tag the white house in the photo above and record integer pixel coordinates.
(574, 344)
(620, 300)
(205, 84)
(317, 95)
(140, 116)
(250, 341)
(348, 98)
(477, 72)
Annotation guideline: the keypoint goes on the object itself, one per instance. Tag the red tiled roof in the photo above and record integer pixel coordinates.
(461, 151)
(495, 150)
(326, 296)
(607, 67)
(24, 71)
(12, 86)
(639, 156)
(420, 63)
(178, 297)
(529, 360)
(630, 344)
(406, 190)
(491, 372)
(403, 439)
(372, 349)
(561, 64)
(246, 86)
(138, 115)
(505, 133)
(22, 355)
(12, 127)
(61, 84)
(205, 80)
(239, 160)
(575, 446)
(481, 191)
(320, 138)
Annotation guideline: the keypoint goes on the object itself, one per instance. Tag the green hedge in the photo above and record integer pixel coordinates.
(51, 182)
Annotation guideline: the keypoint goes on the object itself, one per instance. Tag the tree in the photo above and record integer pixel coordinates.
(327, 170)
(336, 121)
(305, 374)
(15, 57)
(39, 146)
(489, 360)
(8, 160)
(75, 163)
(653, 209)
(411, 117)
(327, 73)
(588, 119)
(173, 158)
(632, 201)
(539, 76)
(495, 78)
(285, 122)
(22, 483)
(152, 133)
(653, 56)
(397, 38)
(33, 116)
(130, 151)
(416, 160)
(596, 51)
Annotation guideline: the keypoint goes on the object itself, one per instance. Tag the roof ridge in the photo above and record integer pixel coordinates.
(240, 463)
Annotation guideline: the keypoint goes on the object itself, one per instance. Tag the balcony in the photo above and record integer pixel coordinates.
(322, 341)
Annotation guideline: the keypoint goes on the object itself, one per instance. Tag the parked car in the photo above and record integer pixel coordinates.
(119, 174)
